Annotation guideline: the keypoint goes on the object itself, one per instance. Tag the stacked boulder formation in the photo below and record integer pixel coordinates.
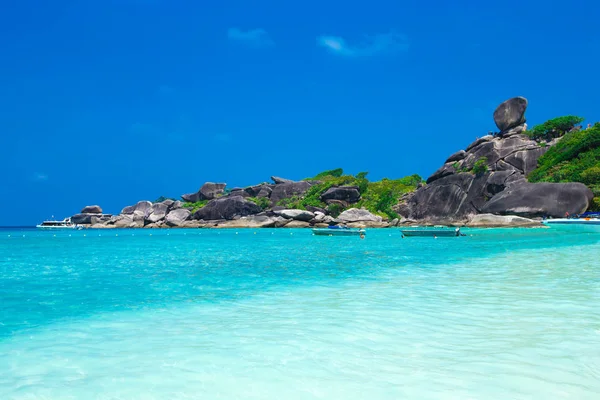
(457, 190)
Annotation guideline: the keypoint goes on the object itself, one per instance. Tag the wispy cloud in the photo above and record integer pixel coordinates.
(40, 177)
(383, 43)
(253, 37)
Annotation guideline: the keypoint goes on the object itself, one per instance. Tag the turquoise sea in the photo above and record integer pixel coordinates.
(282, 314)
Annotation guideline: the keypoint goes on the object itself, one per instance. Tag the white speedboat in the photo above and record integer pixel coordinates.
(53, 224)
(588, 222)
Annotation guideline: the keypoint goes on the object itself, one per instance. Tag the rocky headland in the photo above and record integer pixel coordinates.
(486, 184)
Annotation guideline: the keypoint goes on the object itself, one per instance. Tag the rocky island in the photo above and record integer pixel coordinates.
(513, 177)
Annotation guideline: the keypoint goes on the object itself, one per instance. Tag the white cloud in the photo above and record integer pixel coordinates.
(384, 43)
(40, 177)
(253, 37)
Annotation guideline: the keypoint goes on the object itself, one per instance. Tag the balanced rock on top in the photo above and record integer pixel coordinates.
(511, 113)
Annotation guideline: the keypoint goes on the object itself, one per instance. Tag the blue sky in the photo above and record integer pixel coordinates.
(110, 102)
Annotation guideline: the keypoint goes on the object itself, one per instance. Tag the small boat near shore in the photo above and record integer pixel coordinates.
(338, 231)
(54, 224)
(431, 232)
(587, 222)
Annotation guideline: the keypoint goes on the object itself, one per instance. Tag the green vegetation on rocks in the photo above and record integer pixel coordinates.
(263, 202)
(480, 166)
(377, 197)
(554, 128)
(193, 207)
(575, 158)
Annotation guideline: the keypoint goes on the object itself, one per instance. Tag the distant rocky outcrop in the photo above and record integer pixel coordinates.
(484, 184)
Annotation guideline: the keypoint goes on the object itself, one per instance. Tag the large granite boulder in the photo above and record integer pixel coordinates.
(541, 199)
(298, 215)
(287, 190)
(208, 191)
(143, 208)
(356, 215)
(511, 113)
(91, 210)
(177, 217)
(446, 197)
(279, 180)
(227, 208)
(265, 191)
(82, 219)
(159, 212)
(501, 221)
(252, 221)
(348, 194)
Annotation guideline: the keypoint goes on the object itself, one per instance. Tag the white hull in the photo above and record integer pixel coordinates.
(57, 227)
(591, 225)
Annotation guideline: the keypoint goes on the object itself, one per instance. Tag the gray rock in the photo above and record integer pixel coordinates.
(208, 191)
(315, 210)
(176, 205)
(265, 191)
(227, 208)
(91, 210)
(251, 221)
(298, 215)
(159, 212)
(459, 155)
(279, 180)
(477, 142)
(445, 170)
(287, 190)
(540, 199)
(143, 207)
(526, 160)
(239, 192)
(347, 194)
(82, 219)
(497, 221)
(358, 214)
(128, 210)
(446, 197)
(511, 113)
(253, 191)
(297, 224)
(177, 217)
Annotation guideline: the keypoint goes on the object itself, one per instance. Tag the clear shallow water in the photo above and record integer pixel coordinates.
(282, 314)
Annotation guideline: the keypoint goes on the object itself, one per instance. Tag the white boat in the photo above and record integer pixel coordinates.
(53, 224)
(338, 231)
(580, 224)
(436, 231)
